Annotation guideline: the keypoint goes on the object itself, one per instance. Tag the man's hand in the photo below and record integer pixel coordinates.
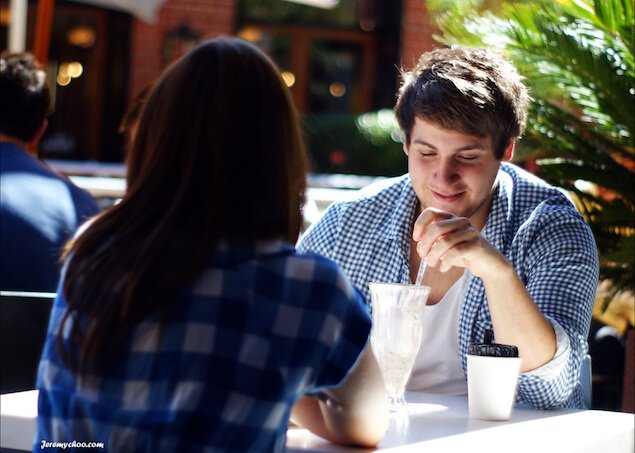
(453, 241)
(448, 240)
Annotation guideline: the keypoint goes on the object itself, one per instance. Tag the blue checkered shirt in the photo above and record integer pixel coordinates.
(530, 222)
(261, 327)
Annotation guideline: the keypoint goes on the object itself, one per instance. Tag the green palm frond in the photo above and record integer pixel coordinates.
(577, 57)
(570, 53)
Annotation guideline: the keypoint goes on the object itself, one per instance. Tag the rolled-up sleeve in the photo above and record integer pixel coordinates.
(560, 270)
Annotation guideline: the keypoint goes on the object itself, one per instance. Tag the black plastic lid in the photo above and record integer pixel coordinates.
(490, 349)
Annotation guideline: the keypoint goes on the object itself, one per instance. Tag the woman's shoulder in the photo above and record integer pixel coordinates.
(313, 265)
(310, 266)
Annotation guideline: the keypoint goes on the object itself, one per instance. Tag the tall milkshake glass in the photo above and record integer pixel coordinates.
(395, 337)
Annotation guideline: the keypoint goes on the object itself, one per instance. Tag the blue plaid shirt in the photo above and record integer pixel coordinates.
(530, 222)
(261, 327)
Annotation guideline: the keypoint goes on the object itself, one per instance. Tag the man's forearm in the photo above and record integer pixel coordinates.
(517, 319)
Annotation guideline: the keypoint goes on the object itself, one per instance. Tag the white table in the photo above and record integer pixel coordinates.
(17, 426)
(438, 423)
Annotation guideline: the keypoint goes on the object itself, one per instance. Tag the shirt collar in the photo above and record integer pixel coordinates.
(229, 252)
(500, 211)
(398, 223)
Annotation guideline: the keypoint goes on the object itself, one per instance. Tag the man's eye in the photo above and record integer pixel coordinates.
(468, 158)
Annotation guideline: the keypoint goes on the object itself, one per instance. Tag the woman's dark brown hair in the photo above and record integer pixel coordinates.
(218, 156)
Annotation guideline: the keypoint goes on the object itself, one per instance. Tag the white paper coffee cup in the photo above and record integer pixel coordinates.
(491, 386)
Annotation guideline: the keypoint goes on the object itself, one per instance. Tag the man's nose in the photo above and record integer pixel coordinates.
(446, 170)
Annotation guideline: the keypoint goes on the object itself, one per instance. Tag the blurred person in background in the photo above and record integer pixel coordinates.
(505, 250)
(40, 209)
(186, 320)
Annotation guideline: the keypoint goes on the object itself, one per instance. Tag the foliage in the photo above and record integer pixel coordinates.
(367, 144)
(578, 60)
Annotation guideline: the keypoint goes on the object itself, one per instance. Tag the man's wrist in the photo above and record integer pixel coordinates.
(501, 272)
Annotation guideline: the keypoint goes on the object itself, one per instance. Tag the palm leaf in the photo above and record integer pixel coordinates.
(578, 60)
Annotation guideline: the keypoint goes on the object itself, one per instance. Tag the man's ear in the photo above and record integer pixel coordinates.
(509, 152)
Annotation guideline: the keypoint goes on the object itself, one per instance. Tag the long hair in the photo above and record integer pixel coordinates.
(218, 156)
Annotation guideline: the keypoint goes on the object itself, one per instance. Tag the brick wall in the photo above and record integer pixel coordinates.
(209, 18)
(416, 32)
(206, 18)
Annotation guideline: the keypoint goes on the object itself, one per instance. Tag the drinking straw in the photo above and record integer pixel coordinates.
(421, 271)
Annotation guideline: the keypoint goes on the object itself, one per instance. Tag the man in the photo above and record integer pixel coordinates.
(40, 209)
(505, 250)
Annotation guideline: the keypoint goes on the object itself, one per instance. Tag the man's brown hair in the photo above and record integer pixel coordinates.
(471, 90)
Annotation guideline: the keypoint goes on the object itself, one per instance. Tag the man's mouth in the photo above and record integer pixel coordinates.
(447, 198)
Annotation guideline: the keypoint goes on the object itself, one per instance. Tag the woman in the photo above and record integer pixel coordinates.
(185, 319)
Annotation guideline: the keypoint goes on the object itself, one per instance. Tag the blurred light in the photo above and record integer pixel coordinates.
(63, 70)
(380, 126)
(5, 16)
(75, 69)
(584, 186)
(337, 89)
(81, 36)
(367, 24)
(288, 77)
(251, 34)
(397, 136)
(337, 157)
(385, 118)
(63, 79)
(365, 120)
(324, 4)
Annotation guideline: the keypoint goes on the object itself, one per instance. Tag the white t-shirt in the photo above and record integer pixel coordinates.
(437, 368)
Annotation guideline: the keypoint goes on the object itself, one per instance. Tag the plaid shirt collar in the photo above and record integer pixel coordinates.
(235, 252)
(406, 205)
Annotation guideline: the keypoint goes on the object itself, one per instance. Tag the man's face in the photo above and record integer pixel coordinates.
(452, 171)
